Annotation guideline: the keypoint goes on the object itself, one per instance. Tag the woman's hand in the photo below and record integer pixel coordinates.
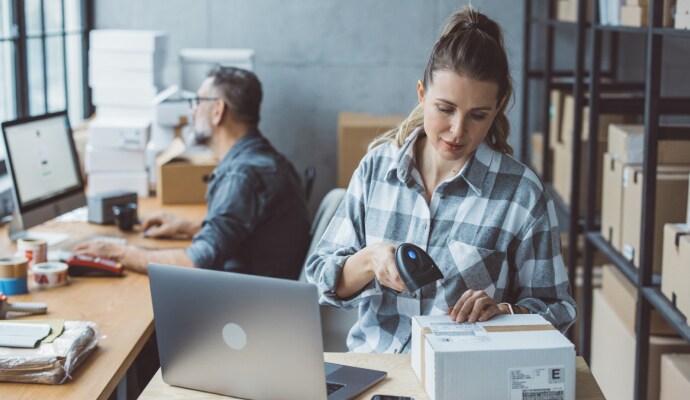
(374, 261)
(382, 264)
(475, 305)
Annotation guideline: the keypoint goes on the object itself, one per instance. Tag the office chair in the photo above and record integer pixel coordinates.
(335, 322)
(309, 176)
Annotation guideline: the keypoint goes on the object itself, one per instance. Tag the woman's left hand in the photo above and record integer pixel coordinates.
(473, 306)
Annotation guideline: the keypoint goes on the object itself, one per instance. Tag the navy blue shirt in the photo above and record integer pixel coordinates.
(257, 221)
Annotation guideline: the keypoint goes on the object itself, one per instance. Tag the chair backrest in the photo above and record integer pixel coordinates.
(335, 323)
(309, 176)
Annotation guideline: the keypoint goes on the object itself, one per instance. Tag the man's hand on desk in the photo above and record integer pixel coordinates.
(161, 224)
(131, 257)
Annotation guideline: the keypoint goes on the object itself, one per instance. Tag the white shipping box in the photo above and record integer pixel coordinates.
(113, 76)
(127, 61)
(103, 182)
(507, 357)
(123, 95)
(124, 112)
(120, 133)
(103, 159)
(128, 41)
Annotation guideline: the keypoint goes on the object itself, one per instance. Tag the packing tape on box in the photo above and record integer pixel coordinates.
(49, 275)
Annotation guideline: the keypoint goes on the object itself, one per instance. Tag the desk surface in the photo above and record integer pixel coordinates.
(401, 379)
(121, 307)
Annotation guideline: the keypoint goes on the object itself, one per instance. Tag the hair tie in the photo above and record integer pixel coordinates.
(472, 26)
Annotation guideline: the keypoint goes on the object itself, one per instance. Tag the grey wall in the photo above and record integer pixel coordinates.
(316, 58)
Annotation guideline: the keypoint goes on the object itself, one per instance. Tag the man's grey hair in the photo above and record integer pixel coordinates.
(240, 90)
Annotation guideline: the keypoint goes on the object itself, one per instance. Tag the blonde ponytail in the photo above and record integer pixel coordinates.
(400, 133)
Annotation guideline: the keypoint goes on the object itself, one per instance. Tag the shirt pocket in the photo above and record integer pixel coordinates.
(477, 268)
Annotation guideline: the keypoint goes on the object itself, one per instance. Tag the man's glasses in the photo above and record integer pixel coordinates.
(193, 101)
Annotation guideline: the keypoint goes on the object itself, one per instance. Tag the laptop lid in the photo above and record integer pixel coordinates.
(245, 336)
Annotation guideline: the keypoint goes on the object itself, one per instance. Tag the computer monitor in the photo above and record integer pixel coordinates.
(44, 169)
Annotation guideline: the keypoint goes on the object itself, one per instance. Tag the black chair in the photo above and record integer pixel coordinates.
(335, 322)
(309, 176)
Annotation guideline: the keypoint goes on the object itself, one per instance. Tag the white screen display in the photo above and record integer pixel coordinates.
(42, 158)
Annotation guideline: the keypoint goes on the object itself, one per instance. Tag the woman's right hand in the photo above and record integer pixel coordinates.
(382, 264)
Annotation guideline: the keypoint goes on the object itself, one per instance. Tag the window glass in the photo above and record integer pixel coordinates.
(7, 107)
(34, 52)
(55, 65)
(32, 12)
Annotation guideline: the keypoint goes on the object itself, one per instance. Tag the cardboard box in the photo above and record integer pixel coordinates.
(612, 201)
(682, 21)
(675, 276)
(128, 41)
(671, 198)
(633, 16)
(103, 182)
(604, 121)
(537, 159)
(687, 219)
(183, 176)
(622, 296)
(119, 133)
(101, 159)
(562, 170)
(123, 95)
(113, 76)
(613, 353)
(675, 376)
(626, 144)
(127, 60)
(355, 132)
(124, 111)
(566, 10)
(497, 359)
(556, 117)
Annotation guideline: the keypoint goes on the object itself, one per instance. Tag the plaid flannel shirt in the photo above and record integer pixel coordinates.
(491, 227)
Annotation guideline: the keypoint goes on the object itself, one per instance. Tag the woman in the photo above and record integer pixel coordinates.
(445, 181)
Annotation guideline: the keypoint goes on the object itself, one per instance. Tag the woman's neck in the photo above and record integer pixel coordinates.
(434, 169)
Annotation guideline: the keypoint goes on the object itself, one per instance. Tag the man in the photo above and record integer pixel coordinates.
(257, 221)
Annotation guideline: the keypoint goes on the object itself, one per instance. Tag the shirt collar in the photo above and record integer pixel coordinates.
(474, 172)
(240, 146)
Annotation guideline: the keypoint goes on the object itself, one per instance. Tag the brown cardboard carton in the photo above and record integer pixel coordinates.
(182, 176)
(569, 121)
(675, 376)
(562, 170)
(566, 10)
(612, 201)
(355, 132)
(675, 276)
(622, 296)
(687, 219)
(626, 144)
(613, 353)
(537, 159)
(636, 13)
(671, 198)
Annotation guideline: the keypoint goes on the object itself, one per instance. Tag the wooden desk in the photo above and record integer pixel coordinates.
(120, 306)
(400, 381)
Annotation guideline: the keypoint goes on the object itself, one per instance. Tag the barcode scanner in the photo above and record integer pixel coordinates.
(415, 267)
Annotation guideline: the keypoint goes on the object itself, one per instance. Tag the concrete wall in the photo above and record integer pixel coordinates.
(316, 58)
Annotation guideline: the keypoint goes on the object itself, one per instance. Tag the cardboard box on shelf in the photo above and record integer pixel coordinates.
(355, 132)
(537, 159)
(636, 13)
(566, 10)
(613, 353)
(626, 144)
(556, 117)
(113, 76)
(119, 133)
(182, 176)
(612, 201)
(123, 95)
(675, 272)
(125, 111)
(687, 219)
(671, 197)
(604, 121)
(128, 41)
(675, 376)
(103, 182)
(101, 159)
(127, 60)
(562, 170)
(495, 359)
(622, 296)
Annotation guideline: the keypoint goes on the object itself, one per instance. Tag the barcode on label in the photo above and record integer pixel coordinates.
(542, 394)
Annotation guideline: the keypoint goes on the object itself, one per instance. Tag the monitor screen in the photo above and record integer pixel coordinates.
(42, 159)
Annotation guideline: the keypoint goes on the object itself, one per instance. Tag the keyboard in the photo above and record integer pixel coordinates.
(332, 387)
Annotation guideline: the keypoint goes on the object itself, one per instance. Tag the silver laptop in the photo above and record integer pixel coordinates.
(246, 336)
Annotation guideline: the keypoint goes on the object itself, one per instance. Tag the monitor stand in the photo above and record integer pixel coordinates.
(17, 232)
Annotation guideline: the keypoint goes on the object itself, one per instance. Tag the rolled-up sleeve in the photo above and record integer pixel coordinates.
(543, 286)
(344, 237)
(233, 211)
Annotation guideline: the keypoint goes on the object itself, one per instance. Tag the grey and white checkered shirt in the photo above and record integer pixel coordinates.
(491, 227)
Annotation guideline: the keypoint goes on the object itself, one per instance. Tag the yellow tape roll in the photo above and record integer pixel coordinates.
(13, 267)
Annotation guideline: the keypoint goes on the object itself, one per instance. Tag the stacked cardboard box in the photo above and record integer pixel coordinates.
(675, 376)
(183, 174)
(613, 341)
(636, 13)
(566, 10)
(355, 132)
(676, 266)
(537, 159)
(126, 73)
(682, 14)
(626, 151)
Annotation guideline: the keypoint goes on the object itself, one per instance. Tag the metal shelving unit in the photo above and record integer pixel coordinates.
(649, 295)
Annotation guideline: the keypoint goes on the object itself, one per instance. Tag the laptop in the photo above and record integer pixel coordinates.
(246, 336)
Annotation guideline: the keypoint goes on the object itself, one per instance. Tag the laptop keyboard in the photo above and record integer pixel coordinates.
(332, 387)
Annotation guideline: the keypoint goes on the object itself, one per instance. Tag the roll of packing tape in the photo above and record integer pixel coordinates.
(13, 275)
(48, 275)
(35, 250)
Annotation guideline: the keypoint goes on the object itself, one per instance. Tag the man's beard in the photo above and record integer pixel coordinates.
(201, 138)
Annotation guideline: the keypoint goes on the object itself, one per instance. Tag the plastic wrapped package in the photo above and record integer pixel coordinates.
(50, 363)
